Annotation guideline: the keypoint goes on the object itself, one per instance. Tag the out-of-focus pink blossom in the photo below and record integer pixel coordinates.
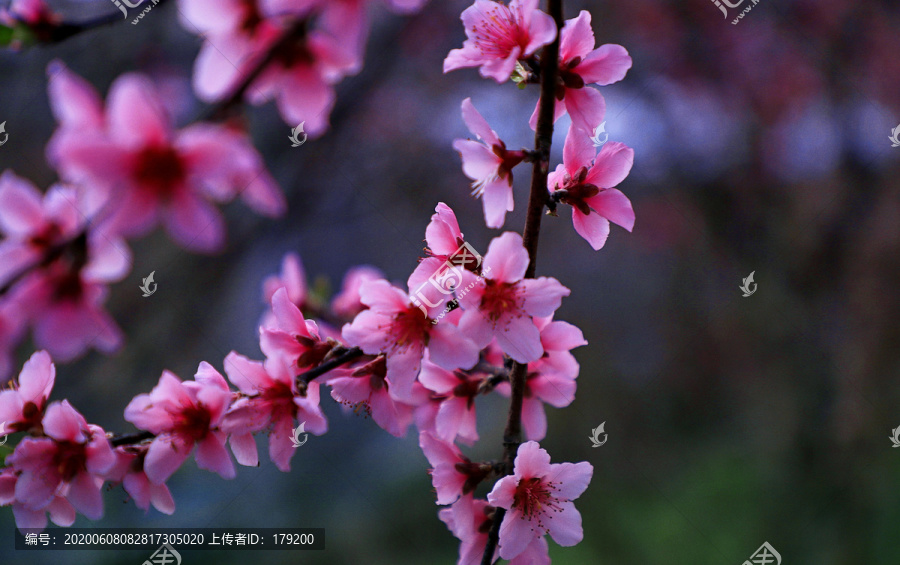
(502, 305)
(63, 297)
(538, 500)
(292, 277)
(489, 164)
(22, 407)
(142, 171)
(394, 326)
(364, 386)
(69, 462)
(347, 302)
(272, 401)
(12, 326)
(182, 415)
(35, 13)
(292, 336)
(499, 35)
(129, 470)
(588, 179)
(456, 415)
(579, 65)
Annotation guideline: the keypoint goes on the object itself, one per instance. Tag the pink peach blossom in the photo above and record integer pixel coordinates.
(63, 297)
(579, 65)
(347, 303)
(489, 164)
(502, 305)
(129, 470)
(364, 386)
(453, 474)
(538, 500)
(22, 407)
(61, 511)
(499, 35)
(272, 401)
(550, 379)
(182, 415)
(394, 326)
(470, 521)
(588, 179)
(142, 171)
(69, 462)
(456, 415)
(292, 336)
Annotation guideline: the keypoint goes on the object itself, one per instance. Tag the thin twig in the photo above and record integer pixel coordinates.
(345, 357)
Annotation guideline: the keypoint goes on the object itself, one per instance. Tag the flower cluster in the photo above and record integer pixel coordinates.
(296, 51)
(463, 325)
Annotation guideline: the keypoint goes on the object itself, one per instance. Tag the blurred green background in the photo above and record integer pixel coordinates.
(732, 421)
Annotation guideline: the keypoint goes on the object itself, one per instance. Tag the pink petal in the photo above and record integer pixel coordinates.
(479, 163)
(212, 455)
(161, 499)
(497, 197)
(578, 152)
(194, 223)
(450, 349)
(450, 418)
(393, 417)
(586, 107)
(61, 512)
(244, 448)
(381, 296)
(476, 327)
(437, 379)
(516, 533)
(532, 460)
(136, 115)
(572, 478)
(558, 392)
(541, 28)
(605, 65)
(63, 423)
(21, 207)
(577, 39)
(29, 519)
(592, 227)
(562, 336)
(534, 419)
(74, 102)
(542, 296)
(503, 494)
(565, 526)
(477, 124)
(612, 165)
(281, 448)
(84, 494)
(165, 455)
(37, 378)
(506, 258)
(614, 206)
(520, 339)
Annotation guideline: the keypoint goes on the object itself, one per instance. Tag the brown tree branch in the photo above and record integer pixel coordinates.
(538, 198)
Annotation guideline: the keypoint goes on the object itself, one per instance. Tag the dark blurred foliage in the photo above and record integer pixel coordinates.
(760, 146)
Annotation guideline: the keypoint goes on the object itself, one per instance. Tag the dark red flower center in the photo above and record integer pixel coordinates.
(70, 459)
(499, 298)
(534, 497)
(159, 169)
(194, 421)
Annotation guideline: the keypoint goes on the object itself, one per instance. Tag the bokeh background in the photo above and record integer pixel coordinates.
(761, 146)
